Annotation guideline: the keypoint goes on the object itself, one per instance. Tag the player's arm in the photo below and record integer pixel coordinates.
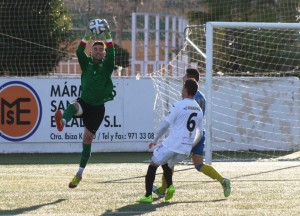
(80, 51)
(202, 104)
(110, 50)
(164, 125)
(199, 134)
(199, 97)
(199, 131)
(162, 130)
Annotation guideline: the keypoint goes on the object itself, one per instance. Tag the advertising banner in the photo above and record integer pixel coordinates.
(28, 105)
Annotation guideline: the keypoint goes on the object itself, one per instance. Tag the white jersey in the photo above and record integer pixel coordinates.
(185, 117)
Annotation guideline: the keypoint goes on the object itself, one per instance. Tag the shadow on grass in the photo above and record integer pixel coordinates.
(141, 176)
(268, 171)
(144, 208)
(136, 209)
(28, 209)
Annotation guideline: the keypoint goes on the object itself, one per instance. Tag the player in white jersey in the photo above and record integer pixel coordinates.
(197, 153)
(185, 118)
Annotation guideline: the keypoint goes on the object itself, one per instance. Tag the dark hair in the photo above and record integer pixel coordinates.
(99, 43)
(192, 73)
(191, 86)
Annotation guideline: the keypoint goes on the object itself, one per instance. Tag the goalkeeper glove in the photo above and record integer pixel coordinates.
(107, 30)
(87, 35)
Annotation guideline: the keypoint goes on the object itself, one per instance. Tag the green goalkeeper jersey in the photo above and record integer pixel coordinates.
(96, 82)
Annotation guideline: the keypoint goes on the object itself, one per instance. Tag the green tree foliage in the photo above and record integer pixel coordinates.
(234, 47)
(32, 33)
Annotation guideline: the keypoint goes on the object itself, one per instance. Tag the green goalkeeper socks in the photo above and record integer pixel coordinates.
(69, 112)
(85, 155)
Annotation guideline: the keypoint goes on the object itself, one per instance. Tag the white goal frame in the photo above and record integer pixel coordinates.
(209, 66)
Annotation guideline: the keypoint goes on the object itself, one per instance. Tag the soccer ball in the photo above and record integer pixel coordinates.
(97, 26)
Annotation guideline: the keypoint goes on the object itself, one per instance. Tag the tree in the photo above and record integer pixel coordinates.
(236, 53)
(32, 34)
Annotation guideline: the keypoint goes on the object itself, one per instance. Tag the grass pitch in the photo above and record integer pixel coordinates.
(37, 184)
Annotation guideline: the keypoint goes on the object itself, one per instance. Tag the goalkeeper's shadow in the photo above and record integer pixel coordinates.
(33, 208)
(144, 208)
(137, 208)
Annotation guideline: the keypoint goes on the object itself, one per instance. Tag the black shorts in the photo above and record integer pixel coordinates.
(92, 116)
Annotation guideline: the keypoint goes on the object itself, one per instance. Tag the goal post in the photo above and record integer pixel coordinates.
(235, 44)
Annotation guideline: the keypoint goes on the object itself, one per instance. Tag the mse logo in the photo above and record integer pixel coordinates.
(20, 111)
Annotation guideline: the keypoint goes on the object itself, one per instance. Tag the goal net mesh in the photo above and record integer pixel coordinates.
(255, 89)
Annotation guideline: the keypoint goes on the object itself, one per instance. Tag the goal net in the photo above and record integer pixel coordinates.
(250, 78)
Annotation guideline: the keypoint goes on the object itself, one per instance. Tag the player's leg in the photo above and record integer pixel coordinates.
(211, 172)
(85, 156)
(168, 167)
(163, 186)
(197, 157)
(161, 191)
(160, 156)
(149, 179)
(169, 182)
(167, 173)
(62, 118)
(206, 169)
(92, 120)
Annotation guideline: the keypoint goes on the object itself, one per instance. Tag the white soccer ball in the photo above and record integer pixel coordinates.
(97, 26)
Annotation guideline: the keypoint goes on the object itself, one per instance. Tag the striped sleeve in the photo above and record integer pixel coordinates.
(84, 41)
(109, 43)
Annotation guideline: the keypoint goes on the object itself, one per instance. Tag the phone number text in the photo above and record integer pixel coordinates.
(128, 136)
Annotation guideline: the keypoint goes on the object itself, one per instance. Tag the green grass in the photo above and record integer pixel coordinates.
(126, 157)
(71, 158)
(37, 184)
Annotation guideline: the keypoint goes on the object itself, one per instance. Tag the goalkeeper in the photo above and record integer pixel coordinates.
(198, 150)
(97, 89)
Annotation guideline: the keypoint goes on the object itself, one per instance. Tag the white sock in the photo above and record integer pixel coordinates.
(80, 171)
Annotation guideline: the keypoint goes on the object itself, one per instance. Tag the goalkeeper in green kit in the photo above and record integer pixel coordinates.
(97, 89)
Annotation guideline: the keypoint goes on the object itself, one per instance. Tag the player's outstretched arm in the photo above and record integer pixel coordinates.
(80, 51)
(107, 33)
(110, 50)
(161, 131)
